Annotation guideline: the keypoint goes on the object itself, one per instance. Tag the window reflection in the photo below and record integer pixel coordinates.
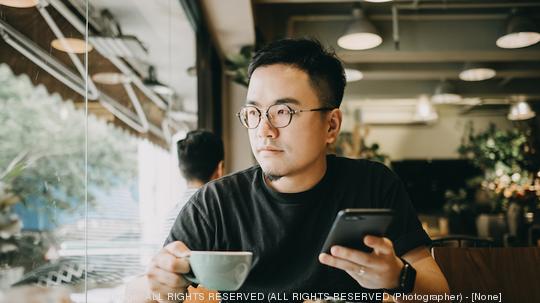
(83, 197)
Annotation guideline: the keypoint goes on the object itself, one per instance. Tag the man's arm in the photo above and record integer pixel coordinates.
(381, 268)
(163, 278)
(429, 277)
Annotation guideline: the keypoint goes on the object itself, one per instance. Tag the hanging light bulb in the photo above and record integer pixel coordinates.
(352, 75)
(71, 45)
(19, 3)
(110, 78)
(476, 72)
(520, 111)
(361, 34)
(520, 32)
(158, 87)
(425, 112)
(445, 93)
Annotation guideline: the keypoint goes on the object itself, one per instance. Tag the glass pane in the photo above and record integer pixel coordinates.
(42, 154)
(142, 53)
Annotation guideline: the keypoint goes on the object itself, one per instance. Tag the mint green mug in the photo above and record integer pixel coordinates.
(219, 270)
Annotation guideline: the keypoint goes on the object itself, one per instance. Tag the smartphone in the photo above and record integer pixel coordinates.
(353, 224)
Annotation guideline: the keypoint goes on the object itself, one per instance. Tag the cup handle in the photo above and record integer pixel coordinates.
(190, 276)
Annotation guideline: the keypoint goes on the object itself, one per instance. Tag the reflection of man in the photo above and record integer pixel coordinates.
(200, 158)
(283, 209)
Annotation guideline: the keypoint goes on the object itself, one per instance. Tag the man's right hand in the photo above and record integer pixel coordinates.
(165, 274)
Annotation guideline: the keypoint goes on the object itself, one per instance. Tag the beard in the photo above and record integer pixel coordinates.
(272, 177)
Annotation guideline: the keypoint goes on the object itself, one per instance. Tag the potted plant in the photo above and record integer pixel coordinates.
(508, 178)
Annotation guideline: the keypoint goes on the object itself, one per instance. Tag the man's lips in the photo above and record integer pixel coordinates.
(269, 149)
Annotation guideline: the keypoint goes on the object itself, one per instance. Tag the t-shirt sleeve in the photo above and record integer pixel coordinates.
(405, 231)
(192, 227)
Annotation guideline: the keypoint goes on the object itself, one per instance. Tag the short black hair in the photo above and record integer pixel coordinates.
(323, 67)
(199, 154)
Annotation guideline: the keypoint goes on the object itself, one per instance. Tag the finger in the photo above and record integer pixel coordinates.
(340, 263)
(380, 245)
(164, 291)
(353, 255)
(169, 279)
(170, 263)
(178, 249)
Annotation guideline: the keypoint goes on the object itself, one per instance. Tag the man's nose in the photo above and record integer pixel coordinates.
(265, 128)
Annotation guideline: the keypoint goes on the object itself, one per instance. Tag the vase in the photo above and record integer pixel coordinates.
(492, 226)
(515, 219)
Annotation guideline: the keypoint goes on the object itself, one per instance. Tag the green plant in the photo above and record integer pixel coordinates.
(503, 156)
(52, 134)
(494, 147)
(237, 65)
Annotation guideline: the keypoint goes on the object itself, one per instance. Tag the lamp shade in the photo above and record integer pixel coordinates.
(520, 111)
(352, 75)
(425, 112)
(19, 3)
(476, 72)
(361, 34)
(158, 87)
(520, 32)
(445, 93)
(110, 78)
(71, 45)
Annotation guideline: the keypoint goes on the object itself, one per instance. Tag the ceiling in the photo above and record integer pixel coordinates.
(436, 39)
(160, 26)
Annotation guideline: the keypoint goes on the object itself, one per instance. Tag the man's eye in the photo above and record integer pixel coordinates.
(283, 112)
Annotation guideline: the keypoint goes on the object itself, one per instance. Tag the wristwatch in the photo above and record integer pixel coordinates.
(407, 278)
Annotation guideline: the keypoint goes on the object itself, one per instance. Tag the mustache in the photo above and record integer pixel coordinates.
(269, 143)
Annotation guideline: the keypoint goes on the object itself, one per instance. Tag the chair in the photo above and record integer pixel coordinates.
(462, 241)
(512, 272)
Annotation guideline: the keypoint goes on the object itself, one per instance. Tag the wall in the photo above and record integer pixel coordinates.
(437, 141)
(238, 154)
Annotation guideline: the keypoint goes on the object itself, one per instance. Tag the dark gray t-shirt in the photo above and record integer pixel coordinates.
(285, 232)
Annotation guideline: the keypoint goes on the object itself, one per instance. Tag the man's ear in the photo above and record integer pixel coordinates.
(334, 125)
(220, 169)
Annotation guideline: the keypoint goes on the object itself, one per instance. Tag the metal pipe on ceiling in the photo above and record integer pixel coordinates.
(56, 69)
(78, 24)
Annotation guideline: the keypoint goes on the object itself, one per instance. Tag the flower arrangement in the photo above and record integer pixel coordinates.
(508, 165)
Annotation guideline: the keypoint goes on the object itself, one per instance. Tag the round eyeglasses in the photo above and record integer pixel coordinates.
(279, 115)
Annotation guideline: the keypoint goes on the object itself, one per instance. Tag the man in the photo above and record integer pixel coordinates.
(282, 209)
(200, 159)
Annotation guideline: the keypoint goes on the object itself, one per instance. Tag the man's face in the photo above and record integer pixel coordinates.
(300, 145)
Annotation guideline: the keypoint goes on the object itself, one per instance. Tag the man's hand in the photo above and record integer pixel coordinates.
(379, 269)
(165, 272)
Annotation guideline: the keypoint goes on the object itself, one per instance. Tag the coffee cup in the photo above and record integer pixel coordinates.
(219, 270)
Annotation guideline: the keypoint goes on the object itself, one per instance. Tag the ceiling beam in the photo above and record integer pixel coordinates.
(438, 56)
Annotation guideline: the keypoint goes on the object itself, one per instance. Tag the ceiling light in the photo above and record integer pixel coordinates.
(377, 1)
(445, 93)
(520, 32)
(520, 111)
(425, 112)
(110, 78)
(71, 45)
(352, 75)
(476, 72)
(158, 87)
(19, 3)
(360, 34)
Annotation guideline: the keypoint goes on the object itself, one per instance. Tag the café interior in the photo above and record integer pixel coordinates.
(94, 94)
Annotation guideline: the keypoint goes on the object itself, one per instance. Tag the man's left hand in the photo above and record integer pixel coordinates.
(379, 269)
